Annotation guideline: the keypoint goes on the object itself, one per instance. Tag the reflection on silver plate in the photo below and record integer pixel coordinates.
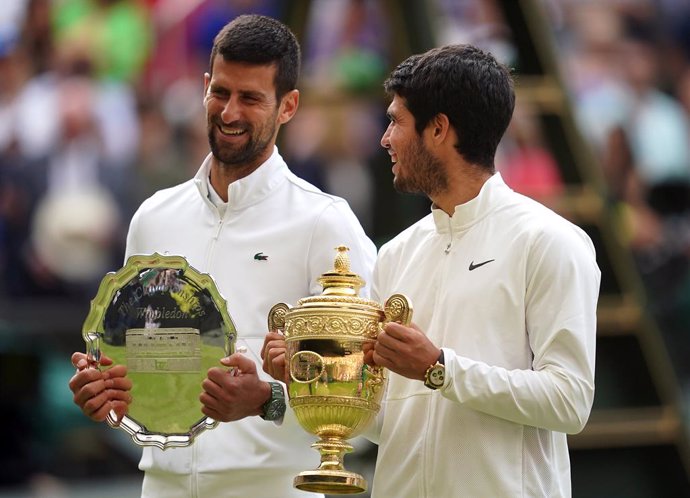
(168, 324)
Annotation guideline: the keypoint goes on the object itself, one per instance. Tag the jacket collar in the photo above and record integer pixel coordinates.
(492, 193)
(250, 189)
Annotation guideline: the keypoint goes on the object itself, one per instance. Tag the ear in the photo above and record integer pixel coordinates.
(440, 128)
(207, 82)
(288, 106)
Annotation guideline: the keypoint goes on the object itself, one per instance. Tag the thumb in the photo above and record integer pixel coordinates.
(240, 361)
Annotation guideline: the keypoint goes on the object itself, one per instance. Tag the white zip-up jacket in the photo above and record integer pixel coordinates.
(508, 289)
(277, 236)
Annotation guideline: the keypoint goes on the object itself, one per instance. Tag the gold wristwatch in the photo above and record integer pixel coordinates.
(435, 374)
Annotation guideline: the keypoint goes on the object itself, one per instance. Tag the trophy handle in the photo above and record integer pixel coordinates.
(276, 316)
(398, 308)
(306, 367)
(93, 357)
(93, 349)
(375, 379)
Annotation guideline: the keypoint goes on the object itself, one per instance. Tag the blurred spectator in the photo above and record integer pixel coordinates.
(656, 123)
(117, 34)
(346, 47)
(626, 61)
(589, 44)
(184, 31)
(68, 143)
(524, 161)
(159, 163)
(37, 35)
(478, 22)
(12, 17)
(65, 203)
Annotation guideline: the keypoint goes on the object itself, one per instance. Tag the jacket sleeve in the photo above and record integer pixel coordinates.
(561, 298)
(337, 225)
(132, 236)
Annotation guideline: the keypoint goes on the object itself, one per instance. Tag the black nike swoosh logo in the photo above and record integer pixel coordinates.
(473, 266)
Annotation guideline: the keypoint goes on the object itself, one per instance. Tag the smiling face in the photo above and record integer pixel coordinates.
(243, 114)
(415, 168)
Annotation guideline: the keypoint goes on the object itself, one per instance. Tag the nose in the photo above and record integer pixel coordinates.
(230, 111)
(385, 139)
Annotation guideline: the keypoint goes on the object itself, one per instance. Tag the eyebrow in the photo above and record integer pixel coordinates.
(216, 87)
(252, 93)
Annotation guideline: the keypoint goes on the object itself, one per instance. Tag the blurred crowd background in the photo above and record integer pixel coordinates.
(101, 105)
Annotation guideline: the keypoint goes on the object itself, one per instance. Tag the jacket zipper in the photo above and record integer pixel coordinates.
(450, 235)
(212, 245)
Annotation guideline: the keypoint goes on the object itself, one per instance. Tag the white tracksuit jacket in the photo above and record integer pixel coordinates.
(296, 227)
(509, 290)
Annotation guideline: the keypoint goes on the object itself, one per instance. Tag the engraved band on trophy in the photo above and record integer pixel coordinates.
(168, 324)
(333, 393)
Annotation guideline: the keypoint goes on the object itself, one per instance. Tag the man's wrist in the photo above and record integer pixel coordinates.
(265, 390)
(274, 407)
(434, 376)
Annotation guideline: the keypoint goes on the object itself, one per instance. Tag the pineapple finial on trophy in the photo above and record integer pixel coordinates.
(341, 281)
(342, 260)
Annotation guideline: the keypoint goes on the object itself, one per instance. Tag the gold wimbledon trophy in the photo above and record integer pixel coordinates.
(333, 393)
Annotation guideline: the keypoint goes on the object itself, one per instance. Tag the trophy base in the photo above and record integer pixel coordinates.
(334, 482)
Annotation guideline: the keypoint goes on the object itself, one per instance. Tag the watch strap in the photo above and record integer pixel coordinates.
(274, 408)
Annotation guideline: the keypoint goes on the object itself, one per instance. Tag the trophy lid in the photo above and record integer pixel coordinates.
(340, 281)
(340, 288)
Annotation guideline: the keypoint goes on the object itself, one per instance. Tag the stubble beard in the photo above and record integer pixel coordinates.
(425, 173)
(243, 155)
(231, 156)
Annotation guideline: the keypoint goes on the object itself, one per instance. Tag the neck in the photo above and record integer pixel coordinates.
(462, 187)
(222, 175)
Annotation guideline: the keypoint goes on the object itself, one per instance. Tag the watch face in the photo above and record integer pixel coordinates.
(275, 406)
(275, 410)
(436, 376)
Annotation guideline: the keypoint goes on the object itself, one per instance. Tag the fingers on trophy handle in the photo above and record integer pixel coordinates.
(276, 316)
(398, 308)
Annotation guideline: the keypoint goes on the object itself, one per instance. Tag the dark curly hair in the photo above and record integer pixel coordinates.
(466, 84)
(257, 39)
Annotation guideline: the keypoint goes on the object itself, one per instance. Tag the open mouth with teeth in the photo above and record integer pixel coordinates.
(232, 132)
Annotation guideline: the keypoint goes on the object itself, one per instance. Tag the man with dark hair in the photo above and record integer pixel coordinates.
(243, 202)
(499, 364)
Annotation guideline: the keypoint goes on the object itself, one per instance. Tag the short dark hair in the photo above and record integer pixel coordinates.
(257, 39)
(469, 86)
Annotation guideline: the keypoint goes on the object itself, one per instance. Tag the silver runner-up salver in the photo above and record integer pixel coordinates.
(168, 324)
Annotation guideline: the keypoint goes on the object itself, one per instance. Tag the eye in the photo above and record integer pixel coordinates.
(252, 99)
(218, 92)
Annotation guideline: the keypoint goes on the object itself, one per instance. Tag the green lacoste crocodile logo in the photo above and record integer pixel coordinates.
(260, 256)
